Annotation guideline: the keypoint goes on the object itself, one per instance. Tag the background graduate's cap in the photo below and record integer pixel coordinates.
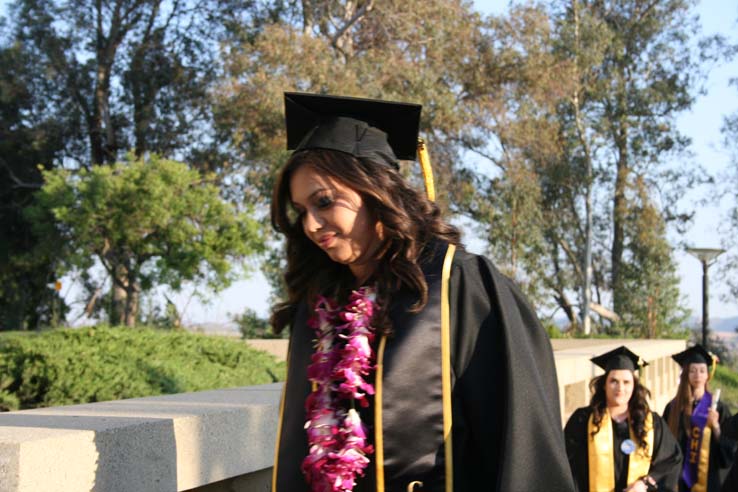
(696, 354)
(620, 358)
(382, 131)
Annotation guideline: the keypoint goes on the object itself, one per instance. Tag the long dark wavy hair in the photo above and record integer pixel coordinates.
(680, 414)
(409, 223)
(637, 406)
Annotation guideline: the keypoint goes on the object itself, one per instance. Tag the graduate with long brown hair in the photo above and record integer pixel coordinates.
(617, 443)
(696, 418)
(413, 365)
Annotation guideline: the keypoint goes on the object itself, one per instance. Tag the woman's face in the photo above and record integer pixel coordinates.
(697, 375)
(336, 218)
(619, 387)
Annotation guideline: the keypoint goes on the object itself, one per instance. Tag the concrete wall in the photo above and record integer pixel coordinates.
(222, 440)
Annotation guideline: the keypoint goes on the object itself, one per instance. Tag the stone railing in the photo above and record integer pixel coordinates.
(217, 441)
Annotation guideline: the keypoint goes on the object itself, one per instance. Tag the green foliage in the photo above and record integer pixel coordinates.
(588, 113)
(28, 138)
(251, 325)
(652, 307)
(149, 223)
(727, 380)
(68, 366)
(727, 272)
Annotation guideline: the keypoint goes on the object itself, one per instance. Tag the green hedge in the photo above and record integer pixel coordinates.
(67, 366)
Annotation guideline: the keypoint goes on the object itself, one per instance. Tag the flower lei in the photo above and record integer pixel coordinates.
(337, 438)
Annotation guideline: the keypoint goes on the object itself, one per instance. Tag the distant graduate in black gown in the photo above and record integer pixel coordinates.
(697, 418)
(413, 365)
(617, 443)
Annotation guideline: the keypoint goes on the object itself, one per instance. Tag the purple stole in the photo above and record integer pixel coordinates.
(695, 446)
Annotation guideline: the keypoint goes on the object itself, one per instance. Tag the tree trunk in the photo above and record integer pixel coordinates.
(118, 309)
(620, 205)
(132, 299)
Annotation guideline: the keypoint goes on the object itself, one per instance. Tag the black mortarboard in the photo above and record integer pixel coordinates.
(696, 354)
(383, 131)
(620, 358)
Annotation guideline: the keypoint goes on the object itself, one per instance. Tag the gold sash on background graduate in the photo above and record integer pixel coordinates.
(601, 457)
(697, 456)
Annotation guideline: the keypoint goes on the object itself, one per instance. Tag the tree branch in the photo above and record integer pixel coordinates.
(18, 182)
(353, 20)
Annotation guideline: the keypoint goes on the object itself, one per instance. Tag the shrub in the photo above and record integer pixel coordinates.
(67, 366)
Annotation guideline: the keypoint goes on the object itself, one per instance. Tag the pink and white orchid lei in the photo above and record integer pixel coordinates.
(343, 358)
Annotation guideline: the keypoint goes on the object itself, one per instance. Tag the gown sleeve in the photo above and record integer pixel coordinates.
(575, 434)
(722, 449)
(507, 424)
(666, 462)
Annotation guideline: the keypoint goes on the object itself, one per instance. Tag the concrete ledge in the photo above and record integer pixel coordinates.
(222, 440)
(165, 443)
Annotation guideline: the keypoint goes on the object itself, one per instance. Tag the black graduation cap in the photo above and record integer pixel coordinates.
(383, 131)
(620, 358)
(696, 354)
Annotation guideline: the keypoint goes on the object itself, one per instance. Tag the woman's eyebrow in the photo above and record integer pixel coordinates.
(319, 190)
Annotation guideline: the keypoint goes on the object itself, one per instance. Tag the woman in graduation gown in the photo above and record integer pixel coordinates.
(697, 421)
(413, 365)
(617, 443)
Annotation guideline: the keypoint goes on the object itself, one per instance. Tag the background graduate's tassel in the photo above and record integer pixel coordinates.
(425, 164)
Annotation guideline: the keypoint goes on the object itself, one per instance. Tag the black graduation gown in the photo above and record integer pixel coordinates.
(506, 423)
(731, 480)
(666, 460)
(722, 450)
(730, 429)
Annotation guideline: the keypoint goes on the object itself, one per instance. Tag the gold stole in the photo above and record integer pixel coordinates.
(602, 461)
(704, 459)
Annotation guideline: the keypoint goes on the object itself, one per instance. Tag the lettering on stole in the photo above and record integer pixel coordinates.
(694, 444)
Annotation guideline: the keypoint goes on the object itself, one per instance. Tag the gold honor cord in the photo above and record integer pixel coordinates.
(425, 164)
(446, 366)
(279, 422)
(378, 432)
(704, 461)
(600, 458)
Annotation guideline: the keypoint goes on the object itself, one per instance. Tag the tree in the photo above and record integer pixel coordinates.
(251, 325)
(650, 73)
(148, 223)
(96, 79)
(730, 230)
(131, 74)
(28, 137)
(596, 129)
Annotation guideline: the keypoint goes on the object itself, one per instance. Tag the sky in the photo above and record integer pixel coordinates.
(702, 124)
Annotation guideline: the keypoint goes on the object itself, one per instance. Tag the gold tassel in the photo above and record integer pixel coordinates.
(714, 365)
(425, 164)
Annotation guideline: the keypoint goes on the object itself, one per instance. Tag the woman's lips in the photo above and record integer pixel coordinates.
(326, 241)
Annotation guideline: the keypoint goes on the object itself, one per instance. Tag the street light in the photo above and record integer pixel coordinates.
(707, 257)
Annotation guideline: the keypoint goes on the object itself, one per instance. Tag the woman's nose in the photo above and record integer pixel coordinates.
(311, 222)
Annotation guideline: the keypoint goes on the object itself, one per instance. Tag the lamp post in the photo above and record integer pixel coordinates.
(706, 257)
